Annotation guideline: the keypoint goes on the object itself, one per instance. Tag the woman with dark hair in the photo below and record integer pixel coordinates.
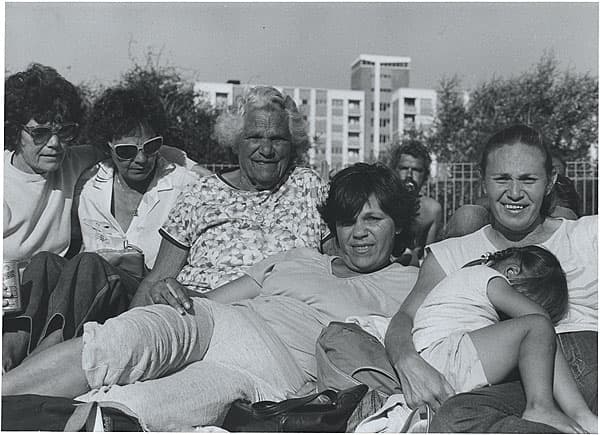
(252, 338)
(517, 175)
(120, 204)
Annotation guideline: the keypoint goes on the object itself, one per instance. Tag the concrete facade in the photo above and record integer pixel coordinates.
(379, 76)
(335, 118)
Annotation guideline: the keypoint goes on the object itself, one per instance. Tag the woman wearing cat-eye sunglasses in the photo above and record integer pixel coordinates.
(41, 167)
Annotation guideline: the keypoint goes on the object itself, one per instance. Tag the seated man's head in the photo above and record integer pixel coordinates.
(411, 161)
(369, 212)
(267, 133)
(42, 111)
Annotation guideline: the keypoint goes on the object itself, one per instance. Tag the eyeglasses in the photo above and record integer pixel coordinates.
(128, 151)
(41, 134)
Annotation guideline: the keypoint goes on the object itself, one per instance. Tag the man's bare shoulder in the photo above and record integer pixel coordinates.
(429, 207)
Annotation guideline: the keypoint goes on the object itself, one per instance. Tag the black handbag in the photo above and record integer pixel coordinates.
(327, 411)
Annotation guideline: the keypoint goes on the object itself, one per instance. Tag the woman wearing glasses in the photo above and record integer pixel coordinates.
(42, 113)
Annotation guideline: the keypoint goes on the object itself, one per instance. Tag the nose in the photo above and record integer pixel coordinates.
(409, 173)
(141, 157)
(54, 142)
(514, 190)
(359, 230)
(266, 148)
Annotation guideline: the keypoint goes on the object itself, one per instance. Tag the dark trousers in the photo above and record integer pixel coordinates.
(498, 408)
(64, 294)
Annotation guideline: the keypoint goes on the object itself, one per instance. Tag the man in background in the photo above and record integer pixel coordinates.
(411, 161)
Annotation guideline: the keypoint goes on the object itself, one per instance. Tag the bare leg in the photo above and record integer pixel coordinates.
(55, 371)
(527, 342)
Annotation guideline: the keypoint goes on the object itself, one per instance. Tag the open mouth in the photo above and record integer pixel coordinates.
(361, 249)
(515, 208)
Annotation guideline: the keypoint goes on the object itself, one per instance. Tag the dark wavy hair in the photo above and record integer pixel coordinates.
(351, 188)
(39, 93)
(415, 148)
(525, 135)
(545, 283)
(120, 111)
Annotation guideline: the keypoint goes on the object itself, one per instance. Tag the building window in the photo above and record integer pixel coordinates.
(427, 107)
(337, 103)
(354, 120)
(353, 104)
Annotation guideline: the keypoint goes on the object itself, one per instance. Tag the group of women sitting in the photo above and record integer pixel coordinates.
(232, 291)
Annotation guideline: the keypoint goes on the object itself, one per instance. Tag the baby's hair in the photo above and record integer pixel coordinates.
(545, 282)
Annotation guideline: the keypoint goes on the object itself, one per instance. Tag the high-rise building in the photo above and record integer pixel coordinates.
(335, 118)
(378, 77)
(412, 108)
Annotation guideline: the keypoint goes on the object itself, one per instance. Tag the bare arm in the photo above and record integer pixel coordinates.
(169, 262)
(421, 383)
(512, 303)
(436, 225)
(239, 289)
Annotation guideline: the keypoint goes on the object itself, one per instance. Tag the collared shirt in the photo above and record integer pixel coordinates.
(100, 229)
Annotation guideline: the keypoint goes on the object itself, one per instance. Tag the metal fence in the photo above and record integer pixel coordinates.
(457, 184)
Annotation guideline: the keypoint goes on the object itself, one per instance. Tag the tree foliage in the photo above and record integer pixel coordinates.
(189, 123)
(562, 105)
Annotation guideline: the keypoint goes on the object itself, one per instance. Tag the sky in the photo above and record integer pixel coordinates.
(300, 44)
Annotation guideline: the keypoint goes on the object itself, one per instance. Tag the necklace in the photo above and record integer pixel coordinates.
(126, 199)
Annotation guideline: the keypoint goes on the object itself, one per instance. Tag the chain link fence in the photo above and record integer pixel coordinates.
(457, 184)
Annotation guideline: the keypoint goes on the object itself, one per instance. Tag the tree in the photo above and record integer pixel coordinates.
(190, 124)
(563, 106)
(449, 141)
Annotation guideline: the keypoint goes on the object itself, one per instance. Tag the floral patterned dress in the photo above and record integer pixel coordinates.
(227, 230)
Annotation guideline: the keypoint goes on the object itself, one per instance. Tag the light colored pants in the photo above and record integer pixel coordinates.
(176, 372)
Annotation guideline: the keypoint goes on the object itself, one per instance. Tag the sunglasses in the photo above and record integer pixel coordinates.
(41, 134)
(128, 151)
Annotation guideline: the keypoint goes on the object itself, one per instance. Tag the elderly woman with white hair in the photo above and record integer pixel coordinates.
(229, 221)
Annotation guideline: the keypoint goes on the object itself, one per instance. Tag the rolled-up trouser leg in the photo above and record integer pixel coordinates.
(245, 359)
(143, 343)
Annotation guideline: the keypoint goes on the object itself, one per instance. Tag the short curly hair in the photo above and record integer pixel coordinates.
(119, 111)
(39, 93)
(229, 124)
(412, 147)
(351, 188)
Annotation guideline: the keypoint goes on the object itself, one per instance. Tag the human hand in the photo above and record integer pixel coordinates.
(422, 384)
(169, 291)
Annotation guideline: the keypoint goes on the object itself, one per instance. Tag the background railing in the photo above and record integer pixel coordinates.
(457, 184)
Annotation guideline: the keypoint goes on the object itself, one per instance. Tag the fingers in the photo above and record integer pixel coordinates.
(170, 292)
(178, 292)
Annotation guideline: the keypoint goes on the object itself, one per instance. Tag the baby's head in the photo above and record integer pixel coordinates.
(536, 273)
